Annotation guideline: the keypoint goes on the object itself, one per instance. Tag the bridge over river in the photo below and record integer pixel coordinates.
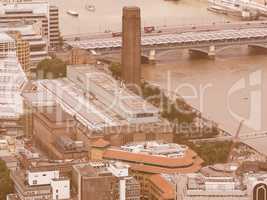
(207, 42)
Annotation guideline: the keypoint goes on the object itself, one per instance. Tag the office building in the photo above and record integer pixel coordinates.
(131, 46)
(22, 50)
(40, 185)
(160, 189)
(196, 186)
(149, 158)
(33, 11)
(104, 180)
(31, 46)
(12, 80)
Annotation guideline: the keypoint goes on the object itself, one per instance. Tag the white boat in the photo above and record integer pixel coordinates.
(90, 7)
(73, 13)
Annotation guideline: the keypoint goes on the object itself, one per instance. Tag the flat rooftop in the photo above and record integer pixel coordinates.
(156, 158)
(24, 29)
(92, 168)
(116, 91)
(12, 80)
(36, 7)
(90, 112)
(4, 38)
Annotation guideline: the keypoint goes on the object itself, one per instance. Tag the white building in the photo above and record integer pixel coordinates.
(115, 96)
(60, 188)
(34, 185)
(120, 171)
(12, 80)
(30, 10)
(31, 33)
(199, 187)
(41, 177)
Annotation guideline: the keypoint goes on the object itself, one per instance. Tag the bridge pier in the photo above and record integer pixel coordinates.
(152, 56)
(209, 52)
(212, 52)
(258, 47)
(149, 57)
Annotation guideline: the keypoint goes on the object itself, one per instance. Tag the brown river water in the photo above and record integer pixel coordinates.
(230, 87)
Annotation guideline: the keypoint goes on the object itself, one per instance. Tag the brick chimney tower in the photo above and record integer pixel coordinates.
(131, 45)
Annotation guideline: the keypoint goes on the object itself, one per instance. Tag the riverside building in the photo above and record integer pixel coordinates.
(98, 107)
(33, 11)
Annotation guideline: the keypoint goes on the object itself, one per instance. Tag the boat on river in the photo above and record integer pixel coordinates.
(73, 13)
(90, 8)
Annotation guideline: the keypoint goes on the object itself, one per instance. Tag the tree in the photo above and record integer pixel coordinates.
(115, 69)
(51, 68)
(211, 152)
(6, 186)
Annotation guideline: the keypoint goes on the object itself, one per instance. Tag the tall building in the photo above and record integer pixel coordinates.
(12, 79)
(22, 50)
(31, 45)
(53, 26)
(131, 45)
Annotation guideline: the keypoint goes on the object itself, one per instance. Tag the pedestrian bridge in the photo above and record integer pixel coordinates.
(207, 42)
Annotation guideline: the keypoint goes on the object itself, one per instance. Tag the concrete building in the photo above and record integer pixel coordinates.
(249, 186)
(12, 80)
(160, 188)
(54, 32)
(87, 99)
(149, 158)
(7, 46)
(156, 157)
(104, 180)
(40, 185)
(117, 98)
(131, 46)
(80, 56)
(31, 45)
(54, 132)
(22, 50)
(94, 181)
(33, 11)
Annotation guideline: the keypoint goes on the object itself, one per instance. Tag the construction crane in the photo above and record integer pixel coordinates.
(235, 140)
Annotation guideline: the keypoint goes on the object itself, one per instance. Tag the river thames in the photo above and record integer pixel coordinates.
(107, 15)
(230, 87)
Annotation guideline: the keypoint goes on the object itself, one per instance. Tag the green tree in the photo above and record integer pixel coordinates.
(115, 69)
(211, 152)
(6, 186)
(51, 68)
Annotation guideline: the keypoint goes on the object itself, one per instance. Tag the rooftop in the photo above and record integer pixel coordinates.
(100, 143)
(96, 81)
(12, 80)
(93, 168)
(36, 7)
(156, 158)
(166, 188)
(4, 38)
